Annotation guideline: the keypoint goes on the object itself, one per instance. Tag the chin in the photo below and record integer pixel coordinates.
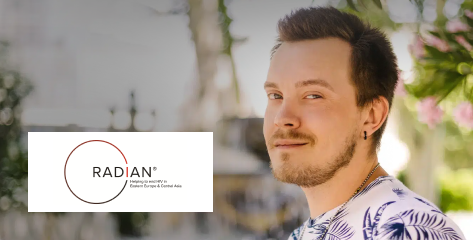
(281, 168)
(279, 174)
(285, 172)
(296, 157)
(298, 172)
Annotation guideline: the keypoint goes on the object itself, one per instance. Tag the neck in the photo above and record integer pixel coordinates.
(342, 185)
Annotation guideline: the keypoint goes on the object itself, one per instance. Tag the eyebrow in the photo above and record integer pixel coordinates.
(270, 85)
(304, 83)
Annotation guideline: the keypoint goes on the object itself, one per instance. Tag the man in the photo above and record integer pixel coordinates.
(330, 87)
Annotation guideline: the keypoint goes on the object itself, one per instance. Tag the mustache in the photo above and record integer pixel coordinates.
(291, 134)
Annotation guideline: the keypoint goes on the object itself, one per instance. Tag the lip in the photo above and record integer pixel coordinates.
(288, 144)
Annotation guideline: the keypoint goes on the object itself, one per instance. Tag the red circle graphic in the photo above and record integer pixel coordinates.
(65, 178)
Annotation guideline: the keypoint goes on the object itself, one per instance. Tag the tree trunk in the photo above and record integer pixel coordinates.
(202, 111)
(426, 149)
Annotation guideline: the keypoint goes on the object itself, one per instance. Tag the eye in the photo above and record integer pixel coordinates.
(273, 96)
(313, 96)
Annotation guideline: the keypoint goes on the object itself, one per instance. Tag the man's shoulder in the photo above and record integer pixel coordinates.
(411, 217)
(393, 196)
(392, 211)
(387, 209)
(388, 191)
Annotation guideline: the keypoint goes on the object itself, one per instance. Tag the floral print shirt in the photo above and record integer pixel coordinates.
(384, 210)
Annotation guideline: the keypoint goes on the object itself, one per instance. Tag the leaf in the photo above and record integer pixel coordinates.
(340, 231)
(367, 226)
(320, 228)
(468, 88)
(467, 35)
(418, 225)
(341, 214)
(435, 209)
(370, 228)
(435, 53)
(450, 37)
(297, 232)
(378, 215)
(438, 83)
(351, 5)
(455, 83)
(436, 34)
(399, 192)
(378, 4)
(469, 21)
(375, 183)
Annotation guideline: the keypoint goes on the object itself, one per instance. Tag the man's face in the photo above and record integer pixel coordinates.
(312, 123)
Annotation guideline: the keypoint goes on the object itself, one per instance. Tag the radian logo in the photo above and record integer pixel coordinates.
(97, 172)
(135, 172)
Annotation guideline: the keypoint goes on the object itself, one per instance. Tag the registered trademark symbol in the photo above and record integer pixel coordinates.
(154, 168)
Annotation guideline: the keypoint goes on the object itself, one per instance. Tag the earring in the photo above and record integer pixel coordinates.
(365, 135)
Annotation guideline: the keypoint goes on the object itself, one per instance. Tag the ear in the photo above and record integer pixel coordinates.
(377, 113)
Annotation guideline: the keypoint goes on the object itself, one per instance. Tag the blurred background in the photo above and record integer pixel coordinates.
(200, 65)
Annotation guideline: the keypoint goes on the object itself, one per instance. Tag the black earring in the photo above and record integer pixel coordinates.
(365, 135)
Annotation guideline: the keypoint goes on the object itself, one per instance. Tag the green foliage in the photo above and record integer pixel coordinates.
(402, 176)
(437, 82)
(456, 190)
(458, 146)
(447, 75)
(372, 12)
(13, 156)
(352, 5)
(445, 70)
(131, 224)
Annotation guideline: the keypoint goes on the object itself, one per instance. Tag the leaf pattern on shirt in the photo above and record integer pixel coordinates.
(318, 228)
(370, 227)
(419, 225)
(339, 229)
(435, 209)
(399, 192)
(295, 234)
(399, 223)
(373, 184)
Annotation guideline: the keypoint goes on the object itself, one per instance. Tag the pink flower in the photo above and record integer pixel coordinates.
(456, 25)
(429, 112)
(400, 89)
(468, 13)
(463, 114)
(462, 41)
(417, 48)
(438, 43)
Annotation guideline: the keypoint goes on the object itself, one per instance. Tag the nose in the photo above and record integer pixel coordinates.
(286, 118)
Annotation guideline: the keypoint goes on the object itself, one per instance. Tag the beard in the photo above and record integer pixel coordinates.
(310, 176)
